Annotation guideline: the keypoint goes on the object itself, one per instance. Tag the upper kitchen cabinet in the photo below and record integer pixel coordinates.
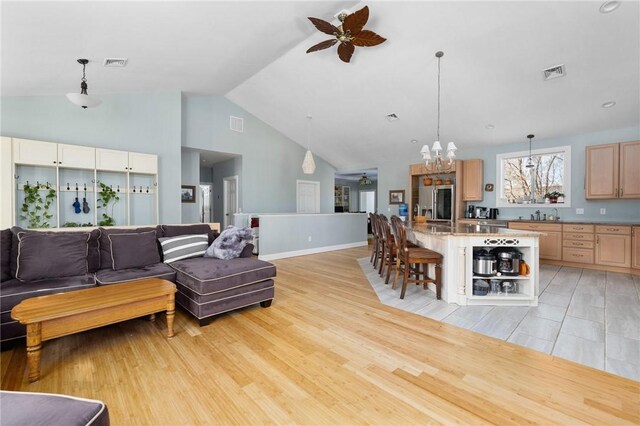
(77, 157)
(143, 163)
(34, 153)
(112, 160)
(611, 171)
(472, 180)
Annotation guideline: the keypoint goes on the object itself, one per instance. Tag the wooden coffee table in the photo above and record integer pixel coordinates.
(56, 315)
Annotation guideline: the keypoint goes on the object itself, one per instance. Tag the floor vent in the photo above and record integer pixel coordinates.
(554, 72)
(115, 62)
(236, 124)
(392, 117)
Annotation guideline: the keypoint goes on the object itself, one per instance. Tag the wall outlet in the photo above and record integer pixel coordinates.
(603, 211)
(579, 211)
(309, 238)
(388, 209)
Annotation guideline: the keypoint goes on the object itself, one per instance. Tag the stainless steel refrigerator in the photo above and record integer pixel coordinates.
(437, 203)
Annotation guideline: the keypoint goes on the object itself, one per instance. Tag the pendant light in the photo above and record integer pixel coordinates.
(530, 159)
(83, 99)
(364, 180)
(308, 165)
(437, 147)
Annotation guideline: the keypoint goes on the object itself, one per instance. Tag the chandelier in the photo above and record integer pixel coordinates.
(435, 153)
(364, 180)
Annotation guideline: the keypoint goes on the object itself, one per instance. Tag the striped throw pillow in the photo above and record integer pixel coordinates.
(183, 247)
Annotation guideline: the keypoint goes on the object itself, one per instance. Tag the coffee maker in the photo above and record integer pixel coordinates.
(493, 213)
(481, 212)
(470, 211)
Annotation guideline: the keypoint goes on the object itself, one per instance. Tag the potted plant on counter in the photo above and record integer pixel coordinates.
(553, 196)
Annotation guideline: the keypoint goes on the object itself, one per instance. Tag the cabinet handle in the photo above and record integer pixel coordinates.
(59, 162)
(598, 240)
(616, 192)
(55, 162)
(621, 192)
(613, 229)
(579, 228)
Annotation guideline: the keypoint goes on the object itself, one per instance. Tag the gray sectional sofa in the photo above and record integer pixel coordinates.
(37, 263)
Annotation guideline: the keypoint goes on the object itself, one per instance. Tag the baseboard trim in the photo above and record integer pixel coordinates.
(285, 254)
(631, 271)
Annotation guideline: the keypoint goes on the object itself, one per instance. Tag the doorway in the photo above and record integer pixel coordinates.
(205, 204)
(229, 199)
(368, 201)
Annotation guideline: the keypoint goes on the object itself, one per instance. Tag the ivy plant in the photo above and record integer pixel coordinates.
(35, 207)
(107, 197)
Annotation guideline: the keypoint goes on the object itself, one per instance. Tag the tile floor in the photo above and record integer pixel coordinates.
(590, 317)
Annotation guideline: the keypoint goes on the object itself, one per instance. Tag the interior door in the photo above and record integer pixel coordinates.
(205, 203)
(308, 194)
(230, 199)
(368, 201)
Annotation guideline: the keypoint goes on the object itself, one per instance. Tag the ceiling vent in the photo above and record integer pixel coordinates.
(236, 124)
(392, 117)
(115, 62)
(554, 72)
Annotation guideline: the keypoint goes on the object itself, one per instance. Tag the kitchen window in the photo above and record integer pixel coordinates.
(519, 186)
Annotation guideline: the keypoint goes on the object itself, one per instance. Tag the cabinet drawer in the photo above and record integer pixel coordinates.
(612, 229)
(536, 226)
(578, 244)
(578, 237)
(577, 255)
(577, 228)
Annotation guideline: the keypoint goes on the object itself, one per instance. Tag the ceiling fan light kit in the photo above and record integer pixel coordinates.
(436, 149)
(83, 99)
(349, 33)
(364, 180)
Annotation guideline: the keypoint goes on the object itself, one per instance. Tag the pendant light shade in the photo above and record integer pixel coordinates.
(308, 165)
(530, 164)
(83, 99)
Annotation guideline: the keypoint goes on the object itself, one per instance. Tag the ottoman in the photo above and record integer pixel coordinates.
(208, 286)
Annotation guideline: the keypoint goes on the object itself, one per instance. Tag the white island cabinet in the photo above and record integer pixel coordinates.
(457, 244)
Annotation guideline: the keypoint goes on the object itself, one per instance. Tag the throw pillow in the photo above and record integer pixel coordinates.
(183, 247)
(177, 230)
(106, 261)
(230, 243)
(133, 250)
(51, 255)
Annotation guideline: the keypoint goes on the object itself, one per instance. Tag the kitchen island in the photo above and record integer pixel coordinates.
(457, 244)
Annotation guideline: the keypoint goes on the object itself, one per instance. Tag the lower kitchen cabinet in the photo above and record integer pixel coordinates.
(613, 246)
(550, 244)
(635, 247)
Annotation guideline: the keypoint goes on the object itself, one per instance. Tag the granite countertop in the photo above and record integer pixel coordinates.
(571, 221)
(469, 230)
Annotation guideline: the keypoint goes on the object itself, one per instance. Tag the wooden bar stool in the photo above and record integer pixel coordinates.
(389, 250)
(414, 262)
(374, 248)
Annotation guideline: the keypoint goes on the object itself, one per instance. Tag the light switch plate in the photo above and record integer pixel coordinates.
(603, 211)
(579, 211)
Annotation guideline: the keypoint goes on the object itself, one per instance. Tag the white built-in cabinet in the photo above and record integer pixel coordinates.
(75, 171)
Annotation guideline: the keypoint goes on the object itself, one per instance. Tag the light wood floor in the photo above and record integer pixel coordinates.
(326, 352)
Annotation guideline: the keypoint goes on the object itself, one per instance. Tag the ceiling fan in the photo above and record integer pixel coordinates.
(349, 33)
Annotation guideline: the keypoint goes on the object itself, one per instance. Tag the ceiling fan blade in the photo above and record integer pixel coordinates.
(324, 26)
(367, 38)
(322, 45)
(345, 50)
(356, 21)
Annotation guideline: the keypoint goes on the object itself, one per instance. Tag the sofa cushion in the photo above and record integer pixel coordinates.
(93, 257)
(199, 228)
(29, 408)
(206, 275)
(51, 255)
(105, 244)
(5, 254)
(14, 291)
(183, 247)
(134, 250)
(158, 270)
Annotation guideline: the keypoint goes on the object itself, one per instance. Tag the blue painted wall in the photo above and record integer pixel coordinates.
(271, 162)
(148, 123)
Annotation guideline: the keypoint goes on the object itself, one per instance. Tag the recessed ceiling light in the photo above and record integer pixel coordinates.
(608, 104)
(609, 6)
(414, 141)
(490, 126)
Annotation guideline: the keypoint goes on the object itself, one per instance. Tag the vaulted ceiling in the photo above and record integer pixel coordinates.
(254, 53)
